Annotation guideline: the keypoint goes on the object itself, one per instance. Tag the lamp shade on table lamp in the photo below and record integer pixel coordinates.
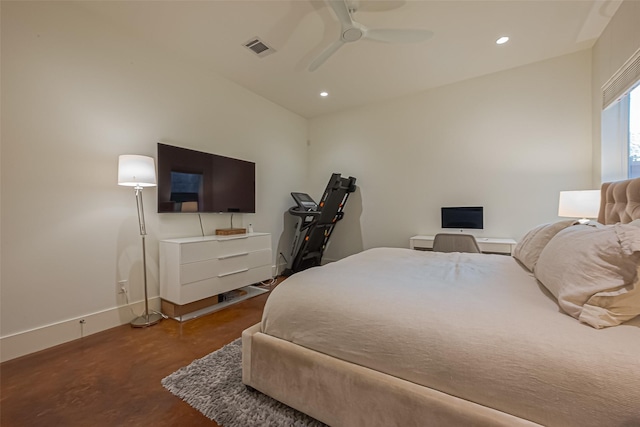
(579, 204)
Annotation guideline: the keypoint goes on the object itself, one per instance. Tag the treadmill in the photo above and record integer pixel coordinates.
(315, 222)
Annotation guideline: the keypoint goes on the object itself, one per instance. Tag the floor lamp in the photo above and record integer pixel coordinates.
(139, 172)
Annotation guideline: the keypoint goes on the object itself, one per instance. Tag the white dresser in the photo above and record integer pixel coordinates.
(195, 268)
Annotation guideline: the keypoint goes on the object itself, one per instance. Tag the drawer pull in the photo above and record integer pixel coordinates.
(233, 255)
(233, 238)
(233, 272)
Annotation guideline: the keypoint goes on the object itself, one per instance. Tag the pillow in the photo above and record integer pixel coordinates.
(528, 249)
(593, 272)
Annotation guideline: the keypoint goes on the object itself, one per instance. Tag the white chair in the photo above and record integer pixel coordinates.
(455, 242)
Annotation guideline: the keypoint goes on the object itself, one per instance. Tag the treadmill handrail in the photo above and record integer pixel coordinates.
(304, 215)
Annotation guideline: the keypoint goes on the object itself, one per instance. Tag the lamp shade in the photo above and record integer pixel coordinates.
(579, 204)
(136, 171)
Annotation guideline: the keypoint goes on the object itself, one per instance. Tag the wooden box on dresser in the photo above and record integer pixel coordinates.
(197, 269)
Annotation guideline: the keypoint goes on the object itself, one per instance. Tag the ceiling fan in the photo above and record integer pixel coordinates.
(353, 31)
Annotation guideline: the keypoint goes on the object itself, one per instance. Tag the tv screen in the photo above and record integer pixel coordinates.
(194, 181)
(462, 217)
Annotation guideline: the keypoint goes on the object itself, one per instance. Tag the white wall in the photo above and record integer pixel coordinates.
(618, 42)
(76, 93)
(508, 141)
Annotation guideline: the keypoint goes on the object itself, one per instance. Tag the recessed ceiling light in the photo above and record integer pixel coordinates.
(323, 94)
(502, 40)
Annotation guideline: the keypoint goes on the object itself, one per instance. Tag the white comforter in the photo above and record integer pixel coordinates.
(474, 326)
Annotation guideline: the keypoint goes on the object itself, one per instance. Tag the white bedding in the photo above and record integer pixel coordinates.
(475, 326)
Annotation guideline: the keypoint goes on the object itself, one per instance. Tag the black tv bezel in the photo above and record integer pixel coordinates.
(228, 183)
(473, 225)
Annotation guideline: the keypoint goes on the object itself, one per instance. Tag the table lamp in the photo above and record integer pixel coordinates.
(581, 204)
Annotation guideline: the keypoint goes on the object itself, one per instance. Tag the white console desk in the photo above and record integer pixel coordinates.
(486, 244)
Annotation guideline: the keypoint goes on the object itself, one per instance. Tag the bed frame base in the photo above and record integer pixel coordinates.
(340, 393)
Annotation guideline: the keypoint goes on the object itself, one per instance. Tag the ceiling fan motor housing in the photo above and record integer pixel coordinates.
(352, 35)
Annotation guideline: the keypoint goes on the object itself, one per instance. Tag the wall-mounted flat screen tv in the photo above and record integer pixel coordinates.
(194, 181)
(470, 217)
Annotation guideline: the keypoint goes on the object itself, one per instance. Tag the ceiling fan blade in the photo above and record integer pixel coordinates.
(320, 59)
(398, 36)
(342, 12)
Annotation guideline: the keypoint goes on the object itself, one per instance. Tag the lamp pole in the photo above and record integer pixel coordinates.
(147, 319)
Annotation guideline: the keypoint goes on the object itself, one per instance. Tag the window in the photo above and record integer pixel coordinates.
(621, 137)
(634, 133)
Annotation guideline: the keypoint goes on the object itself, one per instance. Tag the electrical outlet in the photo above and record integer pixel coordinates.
(122, 286)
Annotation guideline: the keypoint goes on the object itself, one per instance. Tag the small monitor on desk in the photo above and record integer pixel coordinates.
(463, 217)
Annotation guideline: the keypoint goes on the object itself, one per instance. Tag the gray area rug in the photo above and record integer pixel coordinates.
(213, 386)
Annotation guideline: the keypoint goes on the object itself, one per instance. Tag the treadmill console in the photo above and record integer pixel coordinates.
(305, 202)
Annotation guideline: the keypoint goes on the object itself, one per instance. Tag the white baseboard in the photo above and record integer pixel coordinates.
(30, 341)
(26, 342)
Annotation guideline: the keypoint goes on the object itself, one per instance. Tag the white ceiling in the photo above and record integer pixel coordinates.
(463, 46)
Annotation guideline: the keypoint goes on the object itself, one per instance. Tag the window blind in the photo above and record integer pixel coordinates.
(622, 81)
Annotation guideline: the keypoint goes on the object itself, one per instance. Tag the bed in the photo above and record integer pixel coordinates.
(396, 337)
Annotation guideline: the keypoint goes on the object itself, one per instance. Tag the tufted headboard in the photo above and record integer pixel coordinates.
(620, 202)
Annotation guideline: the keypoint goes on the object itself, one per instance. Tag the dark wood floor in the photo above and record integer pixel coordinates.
(112, 378)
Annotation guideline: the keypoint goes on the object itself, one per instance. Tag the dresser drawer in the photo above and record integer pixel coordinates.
(198, 251)
(223, 265)
(195, 291)
(226, 247)
(235, 280)
(229, 245)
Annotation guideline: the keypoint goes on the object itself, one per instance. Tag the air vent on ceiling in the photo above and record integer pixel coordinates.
(259, 47)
